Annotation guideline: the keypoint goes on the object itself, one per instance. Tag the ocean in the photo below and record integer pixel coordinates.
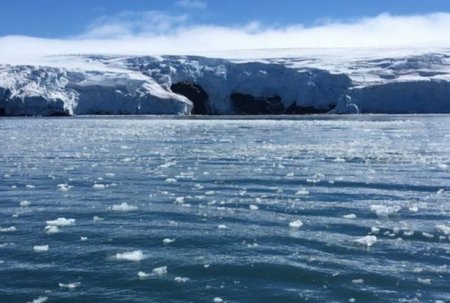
(232, 209)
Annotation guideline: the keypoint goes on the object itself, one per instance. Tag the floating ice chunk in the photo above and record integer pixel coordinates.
(171, 180)
(408, 233)
(181, 279)
(25, 203)
(210, 193)
(443, 229)
(51, 229)
(30, 186)
(253, 207)
(366, 241)
(110, 175)
(97, 219)
(358, 281)
(124, 207)
(295, 224)
(40, 248)
(39, 300)
(427, 235)
(349, 216)
(383, 210)
(160, 271)
(133, 256)
(83, 239)
(217, 300)
(222, 226)
(143, 275)
(63, 187)
(72, 285)
(179, 200)
(302, 192)
(441, 191)
(7, 229)
(339, 160)
(424, 281)
(61, 222)
(99, 186)
(168, 241)
(413, 209)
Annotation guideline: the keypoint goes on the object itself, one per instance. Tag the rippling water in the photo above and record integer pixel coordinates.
(353, 209)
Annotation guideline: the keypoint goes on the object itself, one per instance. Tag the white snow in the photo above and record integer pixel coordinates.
(413, 80)
(133, 256)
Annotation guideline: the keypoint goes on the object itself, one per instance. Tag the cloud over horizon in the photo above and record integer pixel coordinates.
(155, 32)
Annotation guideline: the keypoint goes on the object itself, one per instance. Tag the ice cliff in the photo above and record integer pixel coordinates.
(278, 82)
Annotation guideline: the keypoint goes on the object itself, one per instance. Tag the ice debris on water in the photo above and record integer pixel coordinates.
(124, 207)
(222, 226)
(296, 224)
(7, 229)
(160, 271)
(143, 275)
(383, 210)
(217, 300)
(253, 207)
(99, 186)
(97, 219)
(63, 187)
(443, 229)
(349, 216)
(366, 241)
(181, 279)
(61, 222)
(51, 229)
(72, 285)
(133, 256)
(24, 203)
(168, 241)
(302, 192)
(39, 300)
(40, 248)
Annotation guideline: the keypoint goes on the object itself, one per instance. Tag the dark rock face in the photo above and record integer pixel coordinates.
(245, 104)
(196, 94)
(295, 109)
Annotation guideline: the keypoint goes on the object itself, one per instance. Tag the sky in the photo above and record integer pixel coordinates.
(189, 26)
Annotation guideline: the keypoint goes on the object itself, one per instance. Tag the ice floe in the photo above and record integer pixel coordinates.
(72, 285)
(181, 279)
(349, 216)
(296, 224)
(366, 241)
(124, 207)
(253, 207)
(143, 275)
(133, 256)
(24, 203)
(443, 229)
(384, 210)
(40, 248)
(160, 271)
(168, 241)
(7, 229)
(51, 229)
(61, 222)
(99, 186)
(39, 300)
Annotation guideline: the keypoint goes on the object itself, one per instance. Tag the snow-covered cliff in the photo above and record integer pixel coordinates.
(276, 82)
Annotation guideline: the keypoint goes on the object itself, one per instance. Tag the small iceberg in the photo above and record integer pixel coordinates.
(61, 222)
(133, 256)
(124, 207)
(367, 241)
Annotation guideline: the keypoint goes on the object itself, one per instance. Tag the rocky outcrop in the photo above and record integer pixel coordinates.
(245, 104)
(196, 94)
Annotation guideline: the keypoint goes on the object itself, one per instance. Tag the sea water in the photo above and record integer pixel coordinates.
(293, 209)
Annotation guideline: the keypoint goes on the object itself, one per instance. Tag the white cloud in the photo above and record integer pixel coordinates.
(192, 4)
(153, 32)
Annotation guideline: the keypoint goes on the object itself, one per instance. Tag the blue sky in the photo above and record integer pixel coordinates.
(67, 18)
(45, 27)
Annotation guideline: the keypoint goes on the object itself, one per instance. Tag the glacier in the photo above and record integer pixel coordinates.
(291, 81)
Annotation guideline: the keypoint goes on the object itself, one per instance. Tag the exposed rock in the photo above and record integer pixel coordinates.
(295, 109)
(245, 104)
(196, 94)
